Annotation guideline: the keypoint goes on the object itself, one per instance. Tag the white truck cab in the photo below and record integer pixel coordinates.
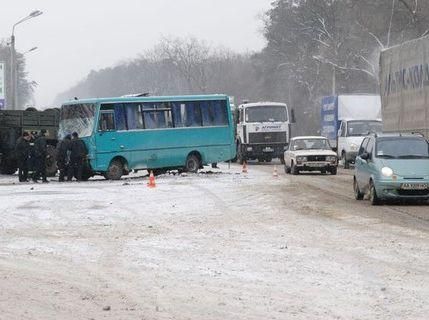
(351, 135)
(263, 131)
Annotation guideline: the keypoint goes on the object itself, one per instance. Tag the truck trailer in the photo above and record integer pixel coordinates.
(404, 87)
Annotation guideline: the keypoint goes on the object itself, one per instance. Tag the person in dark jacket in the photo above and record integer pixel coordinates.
(40, 154)
(22, 151)
(78, 153)
(63, 156)
(31, 155)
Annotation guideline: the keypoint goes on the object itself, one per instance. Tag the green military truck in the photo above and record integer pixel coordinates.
(14, 122)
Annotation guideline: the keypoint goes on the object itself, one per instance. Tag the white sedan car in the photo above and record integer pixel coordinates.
(310, 154)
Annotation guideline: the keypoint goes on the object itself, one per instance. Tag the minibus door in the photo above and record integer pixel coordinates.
(109, 142)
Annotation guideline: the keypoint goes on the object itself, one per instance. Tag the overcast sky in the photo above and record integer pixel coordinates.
(74, 37)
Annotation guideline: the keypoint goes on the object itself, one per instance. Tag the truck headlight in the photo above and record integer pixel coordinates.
(301, 159)
(332, 159)
(387, 172)
(249, 149)
(354, 147)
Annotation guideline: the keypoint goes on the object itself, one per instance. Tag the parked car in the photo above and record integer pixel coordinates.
(392, 166)
(310, 154)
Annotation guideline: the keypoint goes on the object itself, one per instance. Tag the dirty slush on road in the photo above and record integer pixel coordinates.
(209, 246)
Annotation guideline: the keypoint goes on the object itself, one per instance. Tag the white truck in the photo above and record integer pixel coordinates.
(346, 120)
(404, 87)
(263, 131)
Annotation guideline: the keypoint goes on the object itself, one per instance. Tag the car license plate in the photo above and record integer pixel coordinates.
(316, 165)
(414, 186)
(268, 149)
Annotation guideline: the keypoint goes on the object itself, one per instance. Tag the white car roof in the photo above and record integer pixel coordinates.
(309, 137)
(350, 119)
(259, 104)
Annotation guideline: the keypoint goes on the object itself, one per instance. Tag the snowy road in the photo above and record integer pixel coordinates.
(218, 245)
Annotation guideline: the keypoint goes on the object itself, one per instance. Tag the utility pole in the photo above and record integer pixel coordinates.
(13, 64)
(12, 73)
(3, 93)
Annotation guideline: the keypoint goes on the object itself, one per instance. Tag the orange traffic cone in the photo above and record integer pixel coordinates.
(151, 183)
(275, 172)
(244, 170)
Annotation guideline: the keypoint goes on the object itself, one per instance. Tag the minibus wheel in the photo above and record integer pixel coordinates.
(115, 170)
(192, 163)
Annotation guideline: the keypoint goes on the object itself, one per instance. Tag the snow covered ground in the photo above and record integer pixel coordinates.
(216, 245)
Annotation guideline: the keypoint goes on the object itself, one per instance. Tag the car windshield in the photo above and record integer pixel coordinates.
(402, 148)
(266, 114)
(311, 144)
(78, 118)
(363, 128)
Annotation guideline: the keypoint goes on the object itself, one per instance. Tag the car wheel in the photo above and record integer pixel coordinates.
(287, 169)
(373, 198)
(334, 171)
(358, 195)
(294, 170)
(346, 164)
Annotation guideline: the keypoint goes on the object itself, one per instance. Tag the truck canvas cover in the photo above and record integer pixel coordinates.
(359, 107)
(347, 107)
(404, 81)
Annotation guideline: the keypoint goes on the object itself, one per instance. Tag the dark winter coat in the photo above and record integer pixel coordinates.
(40, 150)
(22, 149)
(78, 149)
(63, 147)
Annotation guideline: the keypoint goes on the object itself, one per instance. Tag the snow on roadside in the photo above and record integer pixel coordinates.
(51, 208)
(219, 244)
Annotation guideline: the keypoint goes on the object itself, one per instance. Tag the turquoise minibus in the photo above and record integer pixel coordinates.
(151, 133)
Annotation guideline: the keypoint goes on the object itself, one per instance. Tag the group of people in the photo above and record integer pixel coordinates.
(32, 154)
(71, 155)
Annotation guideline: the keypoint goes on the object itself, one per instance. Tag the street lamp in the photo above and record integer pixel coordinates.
(13, 73)
(29, 50)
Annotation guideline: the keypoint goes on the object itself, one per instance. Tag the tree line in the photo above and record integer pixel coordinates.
(314, 48)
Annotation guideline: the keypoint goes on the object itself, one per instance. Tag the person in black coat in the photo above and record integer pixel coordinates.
(78, 153)
(63, 156)
(40, 154)
(22, 151)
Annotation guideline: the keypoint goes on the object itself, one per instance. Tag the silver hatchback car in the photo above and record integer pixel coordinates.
(392, 167)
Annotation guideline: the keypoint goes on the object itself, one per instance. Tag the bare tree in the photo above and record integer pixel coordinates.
(189, 57)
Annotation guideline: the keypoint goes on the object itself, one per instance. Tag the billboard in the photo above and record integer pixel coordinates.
(2, 86)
